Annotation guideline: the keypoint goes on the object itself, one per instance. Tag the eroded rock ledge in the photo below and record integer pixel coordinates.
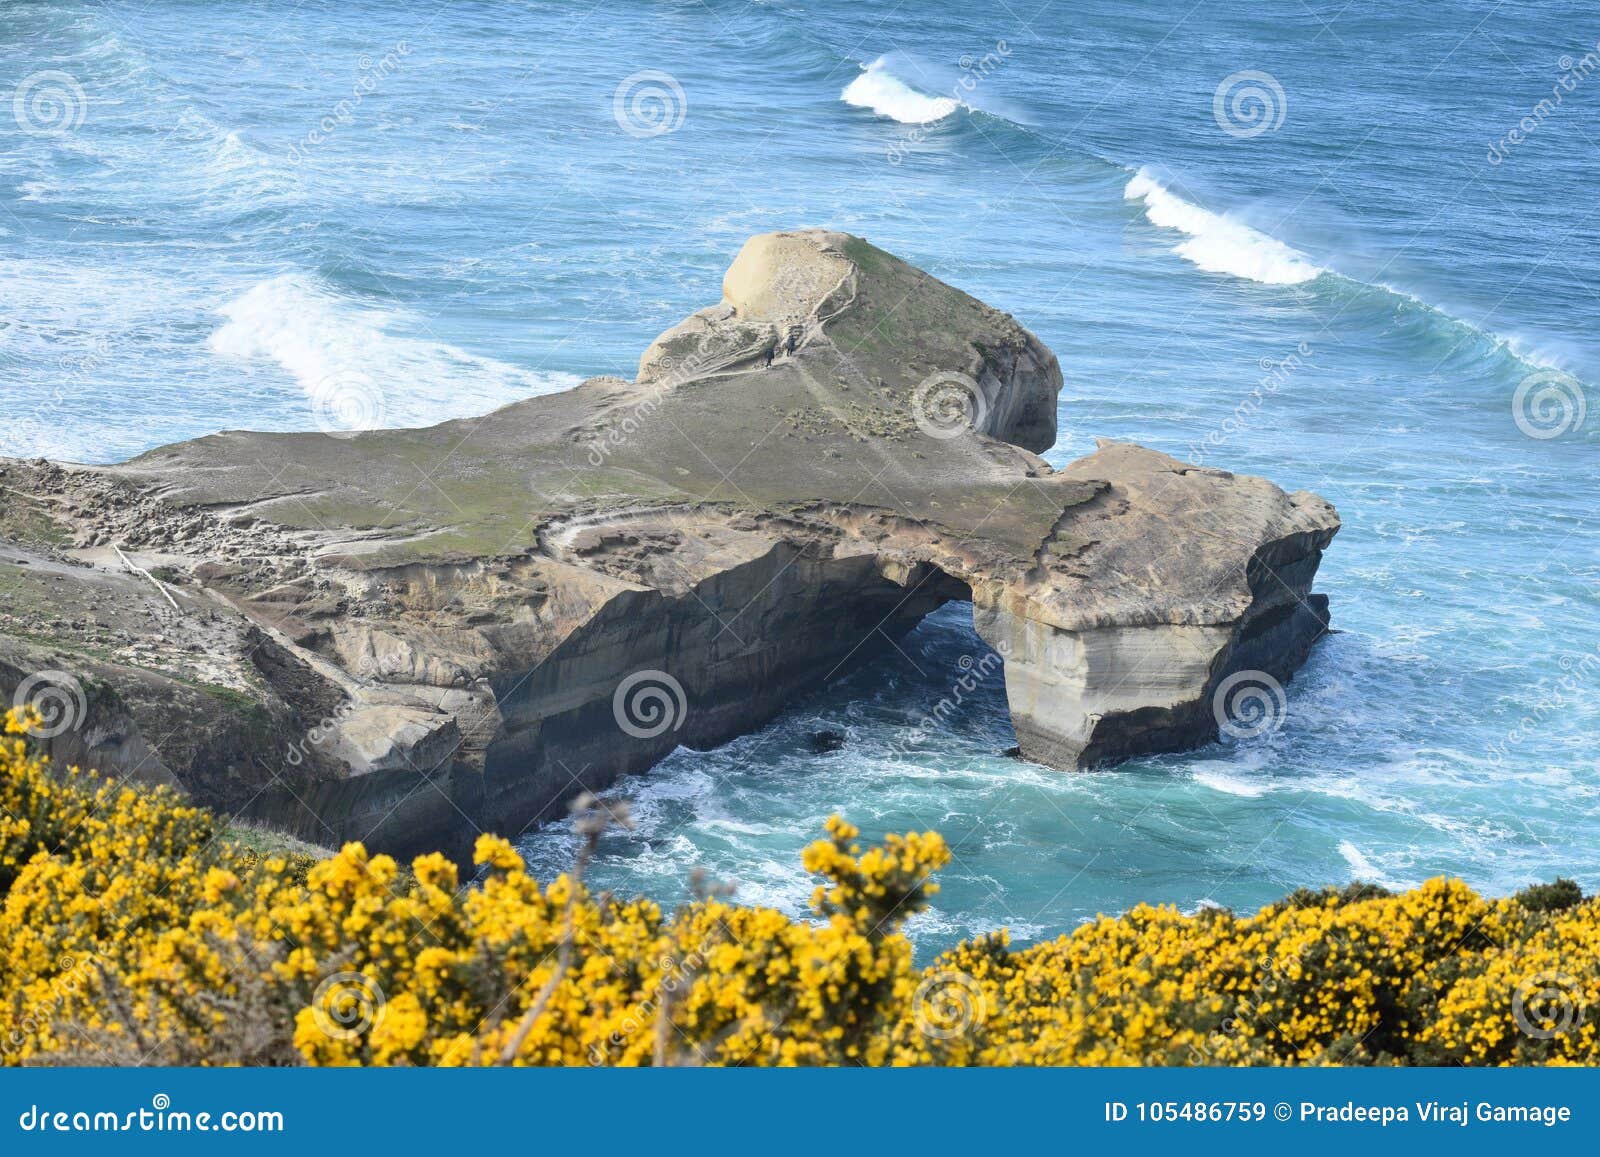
(406, 636)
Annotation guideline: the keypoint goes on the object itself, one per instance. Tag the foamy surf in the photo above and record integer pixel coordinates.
(333, 347)
(1218, 244)
(884, 93)
(1363, 869)
(1243, 786)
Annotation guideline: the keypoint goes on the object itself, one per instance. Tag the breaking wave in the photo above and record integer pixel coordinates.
(1217, 243)
(884, 93)
(319, 338)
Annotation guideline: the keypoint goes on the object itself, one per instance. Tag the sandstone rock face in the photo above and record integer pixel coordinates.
(409, 636)
(1200, 575)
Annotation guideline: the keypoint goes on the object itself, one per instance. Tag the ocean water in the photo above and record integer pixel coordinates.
(1298, 240)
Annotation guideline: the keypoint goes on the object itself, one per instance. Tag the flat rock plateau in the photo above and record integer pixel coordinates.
(406, 636)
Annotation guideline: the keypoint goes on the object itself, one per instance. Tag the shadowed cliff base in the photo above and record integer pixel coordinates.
(408, 636)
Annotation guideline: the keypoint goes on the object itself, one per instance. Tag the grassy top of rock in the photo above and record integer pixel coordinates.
(835, 422)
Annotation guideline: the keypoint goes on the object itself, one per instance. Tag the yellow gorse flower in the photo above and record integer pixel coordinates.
(132, 930)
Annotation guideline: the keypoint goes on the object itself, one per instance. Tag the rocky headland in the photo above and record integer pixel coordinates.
(408, 636)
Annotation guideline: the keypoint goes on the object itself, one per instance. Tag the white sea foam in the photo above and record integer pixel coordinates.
(1245, 787)
(321, 338)
(886, 94)
(1363, 869)
(1218, 244)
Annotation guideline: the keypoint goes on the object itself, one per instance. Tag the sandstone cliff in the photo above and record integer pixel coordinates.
(407, 636)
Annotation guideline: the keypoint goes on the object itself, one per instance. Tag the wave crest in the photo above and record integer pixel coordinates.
(886, 94)
(1218, 244)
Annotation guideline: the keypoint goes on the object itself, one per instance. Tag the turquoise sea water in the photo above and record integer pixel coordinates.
(207, 210)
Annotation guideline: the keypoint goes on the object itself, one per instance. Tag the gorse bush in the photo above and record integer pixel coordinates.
(134, 931)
